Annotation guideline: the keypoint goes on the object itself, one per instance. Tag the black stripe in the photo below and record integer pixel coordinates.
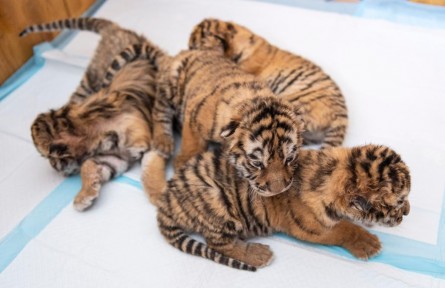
(366, 166)
(281, 80)
(385, 163)
(189, 246)
(310, 85)
(81, 23)
(351, 167)
(224, 260)
(240, 206)
(179, 241)
(274, 81)
(199, 249)
(331, 213)
(126, 55)
(115, 65)
(253, 215)
(292, 81)
(298, 222)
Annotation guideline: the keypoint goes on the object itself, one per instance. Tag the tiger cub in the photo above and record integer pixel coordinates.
(289, 76)
(331, 188)
(101, 132)
(114, 39)
(215, 101)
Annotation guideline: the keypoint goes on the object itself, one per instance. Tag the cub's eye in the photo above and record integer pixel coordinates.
(257, 164)
(289, 160)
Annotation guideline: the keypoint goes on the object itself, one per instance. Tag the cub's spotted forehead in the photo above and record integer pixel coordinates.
(271, 144)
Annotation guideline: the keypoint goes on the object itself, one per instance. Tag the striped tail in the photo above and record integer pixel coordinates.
(89, 24)
(131, 53)
(179, 239)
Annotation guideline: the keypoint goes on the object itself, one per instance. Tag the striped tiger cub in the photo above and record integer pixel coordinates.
(101, 132)
(114, 39)
(289, 76)
(215, 101)
(331, 188)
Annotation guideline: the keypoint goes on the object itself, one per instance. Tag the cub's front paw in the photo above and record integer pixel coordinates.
(164, 145)
(393, 216)
(363, 244)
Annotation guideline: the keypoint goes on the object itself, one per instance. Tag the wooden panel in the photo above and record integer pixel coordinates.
(432, 2)
(17, 14)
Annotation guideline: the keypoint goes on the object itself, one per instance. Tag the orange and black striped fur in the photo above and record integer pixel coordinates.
(331, 189)
(101, 132)
(114, 39)
(215, 101)
(289, 76)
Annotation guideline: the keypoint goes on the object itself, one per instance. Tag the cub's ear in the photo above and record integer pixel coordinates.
(229, 129)
(361, 204)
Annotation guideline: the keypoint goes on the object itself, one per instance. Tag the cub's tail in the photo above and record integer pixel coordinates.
(89, 24)
(179, 239)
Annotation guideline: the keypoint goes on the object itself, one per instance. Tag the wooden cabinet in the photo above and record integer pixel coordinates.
(432, 2)
(17, 14)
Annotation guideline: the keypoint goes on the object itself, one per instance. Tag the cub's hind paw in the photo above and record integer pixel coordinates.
(258, 255)
(363, 244)
(82, 202)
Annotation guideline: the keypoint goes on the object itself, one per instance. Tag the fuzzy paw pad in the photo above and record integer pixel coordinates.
(258, 255)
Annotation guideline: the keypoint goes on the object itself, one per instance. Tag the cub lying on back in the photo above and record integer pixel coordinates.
(215, 101)
(289, 76)
(331, 188)
(102, 132)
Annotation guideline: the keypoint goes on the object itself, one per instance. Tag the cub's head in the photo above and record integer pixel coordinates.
(378, 187)
(235, 41)
(58, 138)
(262, 141)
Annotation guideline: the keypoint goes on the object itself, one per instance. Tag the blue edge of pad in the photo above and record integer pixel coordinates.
(400, 252)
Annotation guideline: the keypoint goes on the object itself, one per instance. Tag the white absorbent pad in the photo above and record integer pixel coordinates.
(392, 78)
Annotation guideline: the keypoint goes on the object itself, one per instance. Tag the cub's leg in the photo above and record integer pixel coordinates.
(192, 144)
(163, 140)
(94, 172)
(254, 254)
(153, 175)
(354, 238)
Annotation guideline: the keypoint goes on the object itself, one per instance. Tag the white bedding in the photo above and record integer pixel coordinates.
(392, 78)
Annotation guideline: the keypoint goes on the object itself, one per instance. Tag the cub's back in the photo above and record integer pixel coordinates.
(207, 86)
